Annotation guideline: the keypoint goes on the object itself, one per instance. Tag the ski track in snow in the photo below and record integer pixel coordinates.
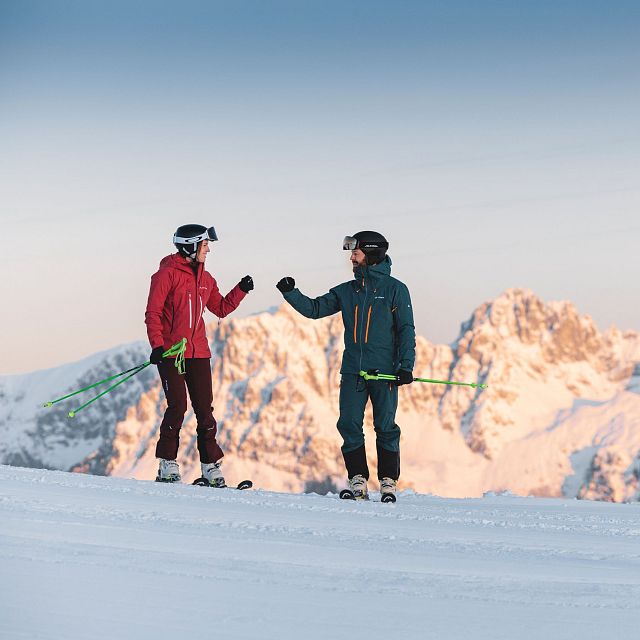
(93, 557)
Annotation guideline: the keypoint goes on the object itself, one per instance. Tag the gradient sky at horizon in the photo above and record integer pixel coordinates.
(495, 144)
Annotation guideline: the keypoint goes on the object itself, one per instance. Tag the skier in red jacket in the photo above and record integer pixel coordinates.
(180, 291)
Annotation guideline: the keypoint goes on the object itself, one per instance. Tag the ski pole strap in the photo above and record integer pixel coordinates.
(177, 350)
(386, 376)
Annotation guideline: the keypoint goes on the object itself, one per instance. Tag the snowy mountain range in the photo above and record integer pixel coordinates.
(560, 416)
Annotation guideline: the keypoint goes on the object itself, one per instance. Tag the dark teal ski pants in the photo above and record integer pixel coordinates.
(354, 394)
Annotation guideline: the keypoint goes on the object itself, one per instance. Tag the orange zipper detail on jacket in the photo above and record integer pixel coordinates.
(366, 335)
(355, 326)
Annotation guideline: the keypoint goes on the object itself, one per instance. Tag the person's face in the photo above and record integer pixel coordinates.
(203, 249)
(358, 259)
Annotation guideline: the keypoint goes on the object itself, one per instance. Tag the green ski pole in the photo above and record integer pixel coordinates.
(91, 386)
(72, 414)
(389, 377)
(176, 350)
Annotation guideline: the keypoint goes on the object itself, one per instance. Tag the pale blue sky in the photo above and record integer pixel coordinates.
(495, 144)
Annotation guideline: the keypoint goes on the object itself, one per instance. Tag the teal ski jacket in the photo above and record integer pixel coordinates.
(379, 331)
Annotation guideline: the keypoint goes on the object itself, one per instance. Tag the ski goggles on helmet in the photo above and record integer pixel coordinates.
(351, 244)
(207, 234)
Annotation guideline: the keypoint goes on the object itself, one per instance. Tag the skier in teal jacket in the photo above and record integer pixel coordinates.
(379, 333)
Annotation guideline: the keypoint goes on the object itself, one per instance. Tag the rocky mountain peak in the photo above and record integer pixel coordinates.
(554, 332)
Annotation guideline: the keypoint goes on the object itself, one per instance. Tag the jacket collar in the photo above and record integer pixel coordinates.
(177, 261)
(373, 276)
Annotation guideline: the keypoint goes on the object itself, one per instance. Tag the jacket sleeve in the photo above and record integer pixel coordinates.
(221, 305)
(314, 308)
(158, 292)
(405, 329)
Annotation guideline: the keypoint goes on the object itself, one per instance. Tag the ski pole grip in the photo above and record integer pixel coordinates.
(177, 348)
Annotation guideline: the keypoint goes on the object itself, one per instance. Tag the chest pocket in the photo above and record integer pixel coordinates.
(202, 297)
(379, 317)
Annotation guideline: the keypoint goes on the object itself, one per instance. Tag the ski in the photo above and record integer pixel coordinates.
(347, 494)
(241, 486)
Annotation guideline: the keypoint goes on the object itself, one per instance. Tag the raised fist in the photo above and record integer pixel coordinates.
(286, 284)
(246, 284)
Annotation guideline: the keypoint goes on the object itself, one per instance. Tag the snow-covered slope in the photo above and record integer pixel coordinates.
(103, 558)
(561, 415)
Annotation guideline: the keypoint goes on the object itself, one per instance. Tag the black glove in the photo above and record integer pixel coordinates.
(286, 284)
(246, 284)
(156, 355)
(404, 377)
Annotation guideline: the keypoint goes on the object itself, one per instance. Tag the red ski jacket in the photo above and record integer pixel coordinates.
(177, 299)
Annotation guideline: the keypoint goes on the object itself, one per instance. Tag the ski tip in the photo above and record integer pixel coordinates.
(245, 484)
(48, 404)
(201, 482)
(346, 494)
(388, 497)
(72, 414)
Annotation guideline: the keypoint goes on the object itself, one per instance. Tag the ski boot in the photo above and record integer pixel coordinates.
(357, 489)
(212, 473)
(168, 471)
(387, 490)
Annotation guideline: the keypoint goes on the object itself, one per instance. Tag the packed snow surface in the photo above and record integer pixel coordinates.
(92, 557)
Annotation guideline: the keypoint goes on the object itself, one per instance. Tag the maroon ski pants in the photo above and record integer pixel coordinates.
(197, 379)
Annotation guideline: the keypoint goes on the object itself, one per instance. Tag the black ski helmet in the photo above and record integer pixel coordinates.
(189, 236)
(373, 244)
